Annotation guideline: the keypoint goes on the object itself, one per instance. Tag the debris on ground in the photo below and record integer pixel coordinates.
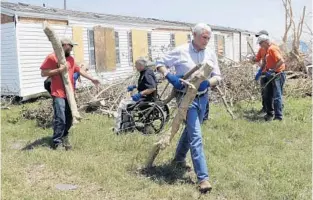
(238, 85)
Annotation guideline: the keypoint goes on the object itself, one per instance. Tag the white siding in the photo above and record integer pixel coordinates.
(229, 53)
(10, 84)
(244, 46)
(211, 43)
(236, 47)
(255, 44)
(160, 43)
(33, 49)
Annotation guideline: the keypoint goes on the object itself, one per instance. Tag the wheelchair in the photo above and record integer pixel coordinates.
(148, 117)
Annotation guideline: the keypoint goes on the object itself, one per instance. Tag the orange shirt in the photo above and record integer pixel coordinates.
(261, 56)
(272, 57)
(51, 62)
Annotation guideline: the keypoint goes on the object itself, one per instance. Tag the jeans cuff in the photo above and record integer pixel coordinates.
(204, 179)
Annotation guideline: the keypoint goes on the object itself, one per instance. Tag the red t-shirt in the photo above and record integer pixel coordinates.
(57, 87)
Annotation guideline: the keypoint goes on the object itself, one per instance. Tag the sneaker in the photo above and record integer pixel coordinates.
(268, 117)
(205, 186)
(66, 144)
(181, 165)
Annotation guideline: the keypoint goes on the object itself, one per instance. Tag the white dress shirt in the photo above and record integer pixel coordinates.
(185, 57)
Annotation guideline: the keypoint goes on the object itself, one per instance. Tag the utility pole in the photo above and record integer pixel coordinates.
(64, 4)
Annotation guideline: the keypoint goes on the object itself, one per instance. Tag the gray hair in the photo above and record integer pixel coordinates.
(144, 62)
(200, 28)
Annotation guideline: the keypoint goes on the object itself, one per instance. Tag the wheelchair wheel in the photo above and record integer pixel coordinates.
(148, 117)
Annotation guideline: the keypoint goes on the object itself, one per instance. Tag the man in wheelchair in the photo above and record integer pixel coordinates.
(142, 111)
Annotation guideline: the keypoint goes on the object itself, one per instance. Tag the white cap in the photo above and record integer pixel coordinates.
(263, 38)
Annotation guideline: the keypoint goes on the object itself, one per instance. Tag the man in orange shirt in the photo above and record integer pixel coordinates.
(260, 58)
(275, 79)
(62, 113)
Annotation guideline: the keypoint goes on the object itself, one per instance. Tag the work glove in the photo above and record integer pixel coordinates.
(204, 85)
(131, 88)
(174, 80)
(136, 97)
(269, 73)
(258, 74)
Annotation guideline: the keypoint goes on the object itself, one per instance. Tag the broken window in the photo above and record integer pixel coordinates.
(130, 48)
(91, 47)
(172, 40)
(219, 44)
(189, 37)
(117, 49)
(149, 45)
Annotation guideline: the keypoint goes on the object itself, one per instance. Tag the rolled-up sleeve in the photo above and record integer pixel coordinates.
(216, 72)
(169, 59)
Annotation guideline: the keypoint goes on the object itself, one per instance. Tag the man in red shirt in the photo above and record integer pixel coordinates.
(62, 113)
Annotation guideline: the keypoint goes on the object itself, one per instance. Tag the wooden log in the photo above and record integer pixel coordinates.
(57, 47)
(186, 76)
(194, 83)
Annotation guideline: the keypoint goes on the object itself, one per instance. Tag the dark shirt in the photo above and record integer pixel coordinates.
(147, 80)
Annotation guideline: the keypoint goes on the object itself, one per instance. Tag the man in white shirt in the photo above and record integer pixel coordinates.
(184, 58)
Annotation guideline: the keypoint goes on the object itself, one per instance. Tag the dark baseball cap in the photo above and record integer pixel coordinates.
(262, 32)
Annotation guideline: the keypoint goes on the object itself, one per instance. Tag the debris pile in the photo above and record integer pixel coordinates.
(238, 85)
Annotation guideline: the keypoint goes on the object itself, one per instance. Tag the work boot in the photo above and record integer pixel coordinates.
(66, 144)
(278, 118)
(54, 146)
(205, 186)
(268, 117)
(181, 165)
(262, 111)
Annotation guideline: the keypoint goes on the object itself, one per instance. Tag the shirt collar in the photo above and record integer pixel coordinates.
(194, 49)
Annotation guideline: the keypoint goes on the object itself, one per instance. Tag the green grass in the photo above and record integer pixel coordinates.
(247, 158)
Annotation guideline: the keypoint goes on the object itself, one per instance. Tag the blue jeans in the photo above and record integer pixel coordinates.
(191, 137)
(274, 96)
(62, 119)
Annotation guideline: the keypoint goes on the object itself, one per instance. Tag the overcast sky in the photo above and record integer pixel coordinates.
(252, 15)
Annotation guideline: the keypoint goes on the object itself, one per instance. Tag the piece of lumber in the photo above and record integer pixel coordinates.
(186, 76)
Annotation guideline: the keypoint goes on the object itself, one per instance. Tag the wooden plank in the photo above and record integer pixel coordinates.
(99, 41)
(77, 32)
(181, 38)
(140, 44)
(110, 51)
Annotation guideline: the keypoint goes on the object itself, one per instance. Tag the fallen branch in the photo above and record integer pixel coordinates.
(225, 102)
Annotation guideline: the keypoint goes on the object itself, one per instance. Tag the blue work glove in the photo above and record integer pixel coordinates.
(269, 73)
(174, 80)
(136, 97)
(258, 74)
(131, 88)
(204, 85)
